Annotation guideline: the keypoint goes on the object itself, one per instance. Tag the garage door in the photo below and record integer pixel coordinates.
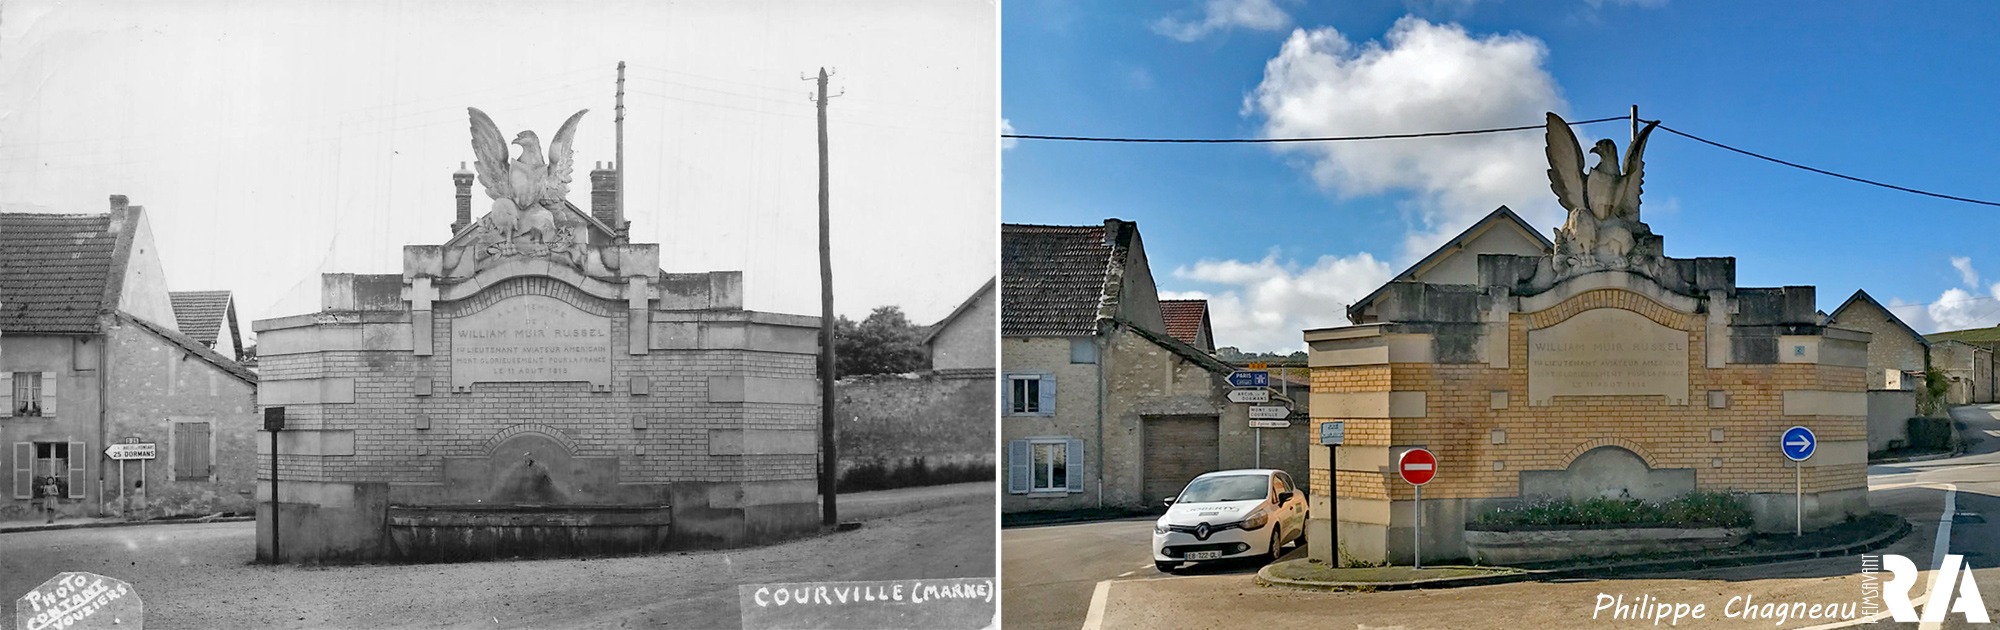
(1178, 448)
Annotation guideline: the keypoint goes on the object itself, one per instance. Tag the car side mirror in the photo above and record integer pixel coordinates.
(1169, 502)
(1284, 497)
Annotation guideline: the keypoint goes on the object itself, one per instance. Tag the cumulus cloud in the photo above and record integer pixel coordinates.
(1420, 77)
(1007, 127)
(1966, 273)
(1264, 305)
(1956, 308)
(1219, 15)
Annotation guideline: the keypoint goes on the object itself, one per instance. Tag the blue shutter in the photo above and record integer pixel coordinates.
(1073, 464)
(1048, 402)
(1019, 459)
(1006, 394)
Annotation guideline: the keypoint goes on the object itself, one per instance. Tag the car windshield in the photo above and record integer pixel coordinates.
(1230, 488)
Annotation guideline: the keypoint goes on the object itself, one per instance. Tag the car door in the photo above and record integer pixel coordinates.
(1295, 509)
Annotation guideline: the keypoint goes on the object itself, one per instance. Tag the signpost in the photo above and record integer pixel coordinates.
(1270, 412)
(1798, 445)
(274, 421)
(1250, 378)
(1249, 395)
(140, 451)
(1418, 467)
(1331, 434)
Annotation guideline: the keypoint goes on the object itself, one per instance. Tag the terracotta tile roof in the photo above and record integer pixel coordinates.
(53, 271)
(1052, 279)
(201, 314)
(193, 347)
(1184, 318)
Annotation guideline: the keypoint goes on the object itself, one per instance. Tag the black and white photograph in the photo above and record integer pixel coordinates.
(498, 314)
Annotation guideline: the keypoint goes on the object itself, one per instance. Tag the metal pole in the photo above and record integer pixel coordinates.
(1417, 533)
(275, 555)
(1333, 497)
(1798, 499)
(124, 502)
(1259, 458)
(828, 465)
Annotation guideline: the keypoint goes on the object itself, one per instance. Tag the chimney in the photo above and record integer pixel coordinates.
(118, 202)
(462, 181)
(604, 194)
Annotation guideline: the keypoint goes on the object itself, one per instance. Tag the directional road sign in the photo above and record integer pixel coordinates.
(1270, 424)
(1250, 378)
(1798, 443)
(131, 451)
(1332, 433)
(1417, 466)
(1269, 412)
(1249, 395)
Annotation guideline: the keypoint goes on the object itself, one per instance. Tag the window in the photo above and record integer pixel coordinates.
(193, 452)
(1044, 465)
(27, 393)
(1030, 395)
(1083, 350)
(42, 469)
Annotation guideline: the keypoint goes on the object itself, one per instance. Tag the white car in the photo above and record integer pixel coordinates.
(1230, 514)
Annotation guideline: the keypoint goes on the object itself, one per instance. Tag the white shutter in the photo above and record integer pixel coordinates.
(6, 394)
(1048, 402)
(1073, 464)
(78, 471)
(50, 392)
(1019, 459)
(24, 469)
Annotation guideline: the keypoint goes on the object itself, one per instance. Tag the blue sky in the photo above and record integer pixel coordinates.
(1280, 239)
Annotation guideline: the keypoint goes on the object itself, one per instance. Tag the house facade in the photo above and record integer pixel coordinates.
(1897, 354)
(1100, 406)
(90, 356)
(1969, 368)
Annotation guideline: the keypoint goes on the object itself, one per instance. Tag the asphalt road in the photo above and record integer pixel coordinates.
(1053, 573)
(200, 576)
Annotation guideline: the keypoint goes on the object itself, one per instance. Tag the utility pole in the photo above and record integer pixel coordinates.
(618, 217)
(829, 455)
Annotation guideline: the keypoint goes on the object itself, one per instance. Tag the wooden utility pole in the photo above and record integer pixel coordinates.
(618, 215)
(829, 455)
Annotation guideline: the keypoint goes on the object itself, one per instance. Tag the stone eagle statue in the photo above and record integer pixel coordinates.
(526, 187)
(1603, 229)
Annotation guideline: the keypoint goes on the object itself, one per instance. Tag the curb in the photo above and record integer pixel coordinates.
(178, 521)
(1872, 543)
(885, 509)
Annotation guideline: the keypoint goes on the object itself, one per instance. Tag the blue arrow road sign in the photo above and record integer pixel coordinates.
(1250, 378)
(1798, 443)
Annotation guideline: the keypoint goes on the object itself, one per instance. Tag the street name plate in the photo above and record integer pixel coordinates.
(530, 338)
(80, 601)
(144, 450)
(1249, 395)
(946, 604)
(1270, 424)
(1607, 352)
(1332, 433)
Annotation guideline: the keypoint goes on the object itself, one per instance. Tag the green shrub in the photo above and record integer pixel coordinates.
(1933, 434)
(881, 474)
(1695, 509)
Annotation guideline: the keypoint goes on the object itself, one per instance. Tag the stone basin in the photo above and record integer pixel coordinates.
(445, 533)
(1548, 545)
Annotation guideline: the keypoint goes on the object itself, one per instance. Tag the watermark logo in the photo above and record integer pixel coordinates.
(1952, 590)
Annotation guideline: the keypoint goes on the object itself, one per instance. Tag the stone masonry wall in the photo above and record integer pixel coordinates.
(895, 419)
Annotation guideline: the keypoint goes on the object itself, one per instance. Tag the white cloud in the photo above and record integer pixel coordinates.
(1220, 15)
(1265, 305)
(1420, 77)
(1643, 4)
(1007, 127)
(1966, 273)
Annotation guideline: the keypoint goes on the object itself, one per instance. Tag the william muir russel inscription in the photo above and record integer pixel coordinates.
(1607, 352)
(530, 338)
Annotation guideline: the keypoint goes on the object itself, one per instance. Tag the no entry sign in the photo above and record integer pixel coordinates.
(1417, 466)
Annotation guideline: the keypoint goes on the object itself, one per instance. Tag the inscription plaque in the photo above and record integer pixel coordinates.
(1607, 352)
(530, 338)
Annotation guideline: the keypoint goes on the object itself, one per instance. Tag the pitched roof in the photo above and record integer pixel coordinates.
(201, 314)
(1861, 296)
(1054, 277)
(54, 270)
(193, 347)
(1190, 353)
(962, 308)
(1449, 247)
(1184, 318)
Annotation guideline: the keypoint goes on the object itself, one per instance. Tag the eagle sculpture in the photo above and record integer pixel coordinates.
(1603, 202)
(528, 186)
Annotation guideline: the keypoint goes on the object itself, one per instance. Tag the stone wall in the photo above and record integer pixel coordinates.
(1889, 413)
(159, 386)
(895, 421)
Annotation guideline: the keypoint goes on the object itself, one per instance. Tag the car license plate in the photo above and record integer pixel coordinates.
(1203, 555)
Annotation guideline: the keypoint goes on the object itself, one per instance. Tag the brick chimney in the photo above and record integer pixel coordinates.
(604, 194)
(462, 181)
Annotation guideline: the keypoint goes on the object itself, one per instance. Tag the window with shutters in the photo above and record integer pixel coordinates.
(50, 469)
(1030, 395)
(27, 393)
(1050, 468)
(194, 449)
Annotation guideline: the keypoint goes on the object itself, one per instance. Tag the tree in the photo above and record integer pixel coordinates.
(884, 343)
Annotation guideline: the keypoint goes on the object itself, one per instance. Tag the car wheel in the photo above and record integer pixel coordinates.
(1277, 546)
(1165, 567)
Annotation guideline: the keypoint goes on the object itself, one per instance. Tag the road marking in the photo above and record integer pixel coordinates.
(1128, 573)
(1939, 547)
(1094, 620)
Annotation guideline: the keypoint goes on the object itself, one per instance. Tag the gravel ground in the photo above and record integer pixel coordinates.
(200, 576)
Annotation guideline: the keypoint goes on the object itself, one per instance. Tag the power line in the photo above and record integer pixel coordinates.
(1389, 136)
(1826, 172)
